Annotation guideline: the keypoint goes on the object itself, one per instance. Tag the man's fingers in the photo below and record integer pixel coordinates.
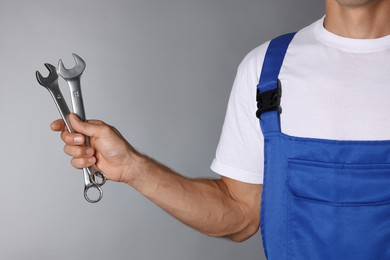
(96, 122)
(72, 138)
(79, 151)
(83, 162)
(89, 128)
(58, 125)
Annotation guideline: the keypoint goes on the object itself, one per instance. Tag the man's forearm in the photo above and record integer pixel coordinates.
(205, 205)
(223, 207)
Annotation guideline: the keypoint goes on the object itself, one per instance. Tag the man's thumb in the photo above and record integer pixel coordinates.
(82, 127)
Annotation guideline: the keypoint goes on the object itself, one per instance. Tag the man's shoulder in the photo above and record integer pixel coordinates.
(254, 59)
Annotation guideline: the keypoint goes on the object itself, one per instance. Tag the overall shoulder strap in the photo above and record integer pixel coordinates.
(269, 88)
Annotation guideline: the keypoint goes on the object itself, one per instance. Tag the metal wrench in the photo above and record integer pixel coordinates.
(51, 84)
(72, 77)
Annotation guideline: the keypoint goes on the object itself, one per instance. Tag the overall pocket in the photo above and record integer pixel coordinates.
(338, 211)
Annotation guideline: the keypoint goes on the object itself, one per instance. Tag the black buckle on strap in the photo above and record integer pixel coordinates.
(269, 100)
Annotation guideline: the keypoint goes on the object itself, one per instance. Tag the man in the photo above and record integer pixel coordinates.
(335, 86)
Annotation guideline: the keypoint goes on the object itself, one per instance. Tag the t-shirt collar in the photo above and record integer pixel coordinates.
(350, 44)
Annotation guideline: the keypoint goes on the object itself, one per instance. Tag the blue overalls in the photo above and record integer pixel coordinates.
(322, 199)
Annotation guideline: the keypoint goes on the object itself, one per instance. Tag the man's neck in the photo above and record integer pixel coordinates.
(366, 21)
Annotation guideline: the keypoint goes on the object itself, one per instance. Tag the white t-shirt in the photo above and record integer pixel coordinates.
(333, 88)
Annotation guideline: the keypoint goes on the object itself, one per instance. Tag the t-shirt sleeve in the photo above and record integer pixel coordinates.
(240, 153)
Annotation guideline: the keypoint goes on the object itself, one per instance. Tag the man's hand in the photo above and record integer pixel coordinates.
(109, 150)
(223, 207)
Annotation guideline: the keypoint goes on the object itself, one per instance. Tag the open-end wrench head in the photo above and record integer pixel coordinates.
(50, 79)
(74, 72)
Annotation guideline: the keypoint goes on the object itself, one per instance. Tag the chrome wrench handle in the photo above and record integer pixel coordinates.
(73, 78)
(51, 84)
(60, 102)
(97, 177)
(88, 185)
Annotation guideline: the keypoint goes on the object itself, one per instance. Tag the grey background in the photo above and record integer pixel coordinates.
(159, 70)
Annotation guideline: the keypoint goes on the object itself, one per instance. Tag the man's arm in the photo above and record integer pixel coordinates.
(223, 207)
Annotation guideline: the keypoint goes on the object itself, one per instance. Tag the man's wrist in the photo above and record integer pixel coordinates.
(135, 164)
